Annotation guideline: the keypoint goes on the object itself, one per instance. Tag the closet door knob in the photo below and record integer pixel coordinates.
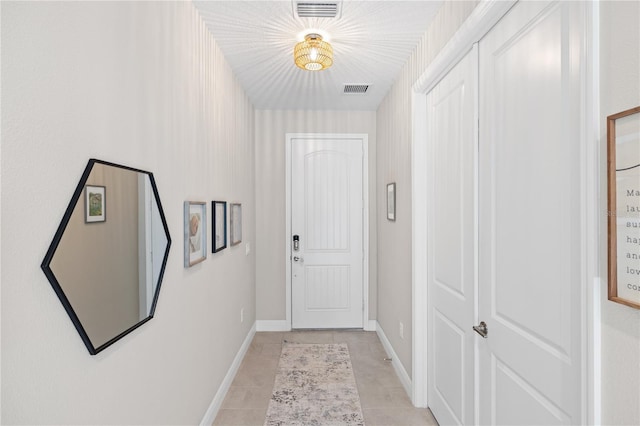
(481, 329)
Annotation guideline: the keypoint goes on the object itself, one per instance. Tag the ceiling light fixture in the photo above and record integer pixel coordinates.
(313, 54)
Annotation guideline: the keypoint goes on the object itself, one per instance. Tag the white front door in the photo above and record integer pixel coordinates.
(327, 223)
(530, 197)
(452, 140)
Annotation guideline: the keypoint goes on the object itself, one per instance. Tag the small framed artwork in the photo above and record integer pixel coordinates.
(219, 221)
(95, 204)
(623, 177)
(236, 223)
(391, 202)
(195, 232)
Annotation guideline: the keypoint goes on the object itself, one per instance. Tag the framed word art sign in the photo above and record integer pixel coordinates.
(623, 164)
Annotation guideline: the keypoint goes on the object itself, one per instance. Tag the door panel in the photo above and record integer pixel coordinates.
(450, 243)
(449, 354)
(529, 197)
(327, 208)
(520, 397)
(327, 287)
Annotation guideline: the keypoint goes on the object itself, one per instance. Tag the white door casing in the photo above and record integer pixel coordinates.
(327, 200)
(530, 242)
(451, 239)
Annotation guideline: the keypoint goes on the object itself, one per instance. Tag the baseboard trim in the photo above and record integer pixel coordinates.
(272, 325)
(216, 403)
(395, 361)
(282, 325)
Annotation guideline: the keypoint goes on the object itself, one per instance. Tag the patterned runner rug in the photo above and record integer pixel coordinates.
(315, 385)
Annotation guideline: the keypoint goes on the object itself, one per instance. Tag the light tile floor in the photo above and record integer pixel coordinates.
(383, 399)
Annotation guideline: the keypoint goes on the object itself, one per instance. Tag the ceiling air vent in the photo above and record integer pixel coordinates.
(355, 89)
(317, 9)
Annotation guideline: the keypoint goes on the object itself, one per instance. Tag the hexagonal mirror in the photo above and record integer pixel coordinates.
(108, 256)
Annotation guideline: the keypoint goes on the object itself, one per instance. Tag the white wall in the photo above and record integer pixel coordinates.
(619, 91)
(394, 165)
(271, 128)
(141, 84)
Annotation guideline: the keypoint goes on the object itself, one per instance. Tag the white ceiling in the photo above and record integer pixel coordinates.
(372, 40)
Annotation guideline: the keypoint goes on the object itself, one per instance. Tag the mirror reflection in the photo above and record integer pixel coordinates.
(108, 257)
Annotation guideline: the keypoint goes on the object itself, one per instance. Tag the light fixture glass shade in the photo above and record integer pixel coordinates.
(313, 54)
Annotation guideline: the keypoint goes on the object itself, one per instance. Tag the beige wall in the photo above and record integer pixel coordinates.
(141, 84)
(619, 91)
(96, 264)
(271, 129)
(394, 165)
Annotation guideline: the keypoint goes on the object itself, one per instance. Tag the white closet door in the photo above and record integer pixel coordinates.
(529, 197)
(451, 235)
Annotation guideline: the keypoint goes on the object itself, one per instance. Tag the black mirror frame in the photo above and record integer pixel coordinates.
(77, 195)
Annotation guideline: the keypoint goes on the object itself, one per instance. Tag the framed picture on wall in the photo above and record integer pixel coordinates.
(219, 227)
(623, 177)
(95, 204)
(391, 202)
(195, 232)
(236, 223)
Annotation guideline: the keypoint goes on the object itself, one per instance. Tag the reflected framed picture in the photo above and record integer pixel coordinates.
(623, 178)
(391, 202)
(95, 203)
(219, 227)
(195, 232)
(236, 223)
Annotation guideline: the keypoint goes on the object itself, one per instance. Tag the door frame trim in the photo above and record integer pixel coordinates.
(365, 216)
(481, 20)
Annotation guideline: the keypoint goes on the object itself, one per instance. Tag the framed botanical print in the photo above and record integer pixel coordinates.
(195, 232)
(236, 223)
(391, 202)
(219, 225)
(95, 204)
